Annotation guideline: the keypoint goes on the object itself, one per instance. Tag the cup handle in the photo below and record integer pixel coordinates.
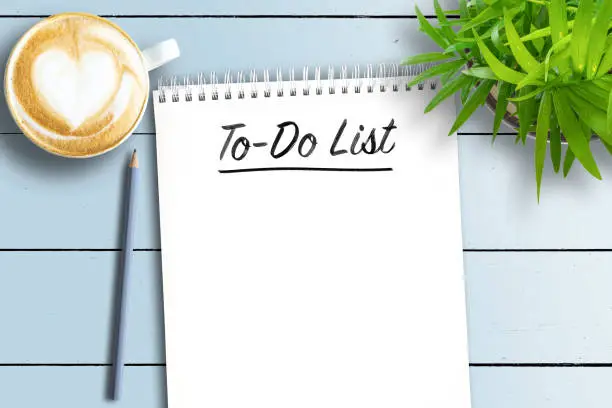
(160, 54)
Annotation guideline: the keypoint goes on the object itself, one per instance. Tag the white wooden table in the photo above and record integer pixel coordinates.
(539, 277)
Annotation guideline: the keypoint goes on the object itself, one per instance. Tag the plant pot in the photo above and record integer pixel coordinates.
(509, 117)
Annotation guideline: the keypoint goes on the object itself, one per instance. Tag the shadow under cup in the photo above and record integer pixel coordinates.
(76, 85)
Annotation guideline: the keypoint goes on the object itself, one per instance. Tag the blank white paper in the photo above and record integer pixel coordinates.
(309, 279)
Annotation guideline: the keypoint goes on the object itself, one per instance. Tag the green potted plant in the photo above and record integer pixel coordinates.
(543, 64)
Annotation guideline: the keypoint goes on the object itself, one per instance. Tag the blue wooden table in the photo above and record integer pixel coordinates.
(539, 277)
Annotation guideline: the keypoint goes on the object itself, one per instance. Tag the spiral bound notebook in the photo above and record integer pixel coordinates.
(311, 242)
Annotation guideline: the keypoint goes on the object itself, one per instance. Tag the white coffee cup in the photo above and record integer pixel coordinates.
(77, 85)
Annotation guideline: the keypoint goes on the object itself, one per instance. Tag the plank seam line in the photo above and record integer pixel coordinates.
(538, 250)
(159, 250)
(76, 249)
(79, 365)
(153, 133)
(250, 16)
(498, 365)
(543, 365)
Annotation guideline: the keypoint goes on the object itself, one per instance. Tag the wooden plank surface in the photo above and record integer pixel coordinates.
(225, 7)
(56, 307)
(539, 307)
(541, 387)
(78, 387)
(522, 307)
(499, 206)
(533, 309)
(61, 203)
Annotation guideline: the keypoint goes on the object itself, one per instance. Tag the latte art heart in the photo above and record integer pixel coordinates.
(76, 84)
(76, 90)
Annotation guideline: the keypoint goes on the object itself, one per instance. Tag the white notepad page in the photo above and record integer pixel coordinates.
(323, 277)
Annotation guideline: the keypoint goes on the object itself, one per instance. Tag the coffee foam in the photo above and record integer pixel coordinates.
(76, 84)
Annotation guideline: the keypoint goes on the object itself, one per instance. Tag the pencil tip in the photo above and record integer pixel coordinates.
(134, 161)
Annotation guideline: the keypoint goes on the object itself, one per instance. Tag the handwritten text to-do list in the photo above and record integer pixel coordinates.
(288, 140)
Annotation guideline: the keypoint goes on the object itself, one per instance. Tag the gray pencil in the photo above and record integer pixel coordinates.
(123, 280)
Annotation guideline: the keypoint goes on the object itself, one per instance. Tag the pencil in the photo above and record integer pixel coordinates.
(123, 279)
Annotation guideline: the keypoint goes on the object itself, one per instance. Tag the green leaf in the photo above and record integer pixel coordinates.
(539, 44)
(427, 57)
(572, 131)
(587, 132)
(597, 40)
(592, 93)
(607, 146)
(581, 35)
(474, 101)
(474, 51)
(532, 79)
(527, 111)
(450, 74)
(525, 96)
(445, 27)
(525, 25)
(467, 39)
(606, 62)
(447, 90)
(487, 33)
(527, 14)
(467, 89)
(458, 47)
(601, 83)
(546, 32)
(496, 39)
(542, 70)
(444, 78)
(542, 138)
(609, 115)
(463, 9)
(501, 71)
(541, 16)
(535, 34)
(487, 14)
(428, 29)
(555, 142)
(558, 20)
(588, 113)
(529, 82)
(519, 50)
(560, 60)
(458, 22)
(517, 139)
(568, 161)
(504, 91)
(480, 72)
(436, 70)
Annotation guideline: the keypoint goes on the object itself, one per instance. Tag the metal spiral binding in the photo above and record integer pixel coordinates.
(382, 78)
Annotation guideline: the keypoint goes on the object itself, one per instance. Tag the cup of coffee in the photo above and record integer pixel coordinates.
(77, 85)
